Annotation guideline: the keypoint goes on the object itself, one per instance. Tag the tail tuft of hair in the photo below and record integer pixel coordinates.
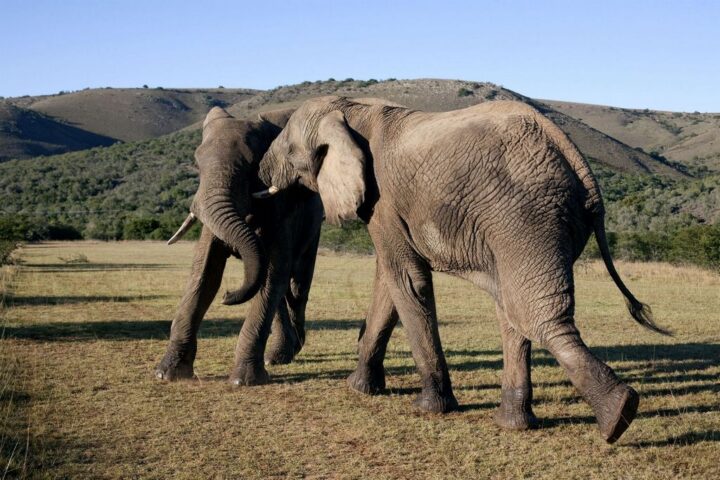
(642, 314)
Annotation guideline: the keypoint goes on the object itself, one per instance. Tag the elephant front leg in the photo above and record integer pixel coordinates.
(369, 376)
(208, 266)
(515, 410)
(409, 283)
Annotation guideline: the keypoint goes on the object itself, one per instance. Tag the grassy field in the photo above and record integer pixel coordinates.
(85, 323)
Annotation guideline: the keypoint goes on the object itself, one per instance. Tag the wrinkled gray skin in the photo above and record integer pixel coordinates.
(495, 194)
(276, 238)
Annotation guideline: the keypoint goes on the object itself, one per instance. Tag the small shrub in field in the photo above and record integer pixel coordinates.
(464, 92)
(76, 258)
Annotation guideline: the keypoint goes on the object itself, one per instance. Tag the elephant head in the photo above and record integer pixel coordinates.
(227, 160)
(319, 150)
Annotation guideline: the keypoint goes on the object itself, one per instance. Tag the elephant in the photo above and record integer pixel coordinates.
(277, 239)
(495, 194)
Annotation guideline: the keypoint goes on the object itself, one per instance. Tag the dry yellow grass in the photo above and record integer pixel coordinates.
(78, 396)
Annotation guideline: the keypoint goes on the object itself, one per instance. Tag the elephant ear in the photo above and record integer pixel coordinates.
(278, 118)
(341, 179)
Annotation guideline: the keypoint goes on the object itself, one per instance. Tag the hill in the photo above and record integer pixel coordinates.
(103, 116)
(690, 138)
(442, 95)
(137, 114)
(24, 133)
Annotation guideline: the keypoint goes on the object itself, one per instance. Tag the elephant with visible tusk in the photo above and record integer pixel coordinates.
(274, 233)
(495, 194)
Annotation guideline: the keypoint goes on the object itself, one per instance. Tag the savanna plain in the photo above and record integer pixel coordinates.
(84, 323)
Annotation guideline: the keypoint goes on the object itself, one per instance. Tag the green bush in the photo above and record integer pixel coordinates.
(6, 248)
(592, 250)
(367, 83)
(642, 246)
(25, 228)
(464, 92)
(697, 245)
(350, 237)
(139, 228)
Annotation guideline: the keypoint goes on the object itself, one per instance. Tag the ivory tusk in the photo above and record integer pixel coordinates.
(266, 193)
(189, 222)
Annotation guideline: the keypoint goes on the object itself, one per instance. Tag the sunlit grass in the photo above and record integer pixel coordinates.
(79, 398)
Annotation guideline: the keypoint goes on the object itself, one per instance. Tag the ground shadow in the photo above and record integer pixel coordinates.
(555, 422)
(12, 301)
(130, 329)
(116, 330)
(689, 438)
(94, 267)
(342, 324)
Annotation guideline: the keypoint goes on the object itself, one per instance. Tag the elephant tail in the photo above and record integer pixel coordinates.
(639, 311)
(593, 205)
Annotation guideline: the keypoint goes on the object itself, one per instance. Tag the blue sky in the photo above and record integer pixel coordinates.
(633, 53)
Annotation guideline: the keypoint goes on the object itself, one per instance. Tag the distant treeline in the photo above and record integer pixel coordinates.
(696, 244)
(142, 190)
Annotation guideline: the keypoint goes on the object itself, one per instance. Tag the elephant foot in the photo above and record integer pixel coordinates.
(515, 412)
(370, 381)
(616, 411)
(281, 352)
(247, 374)
(177, 372)
(430, 400)
(172, 367)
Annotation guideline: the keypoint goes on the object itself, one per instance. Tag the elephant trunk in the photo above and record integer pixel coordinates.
(220, 213)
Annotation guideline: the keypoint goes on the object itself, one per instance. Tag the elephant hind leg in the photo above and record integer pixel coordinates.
(284, 342)
(613, 402)
(515, 410)
(545, 304)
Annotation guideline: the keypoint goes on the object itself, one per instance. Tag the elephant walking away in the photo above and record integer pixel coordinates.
(495, 194)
